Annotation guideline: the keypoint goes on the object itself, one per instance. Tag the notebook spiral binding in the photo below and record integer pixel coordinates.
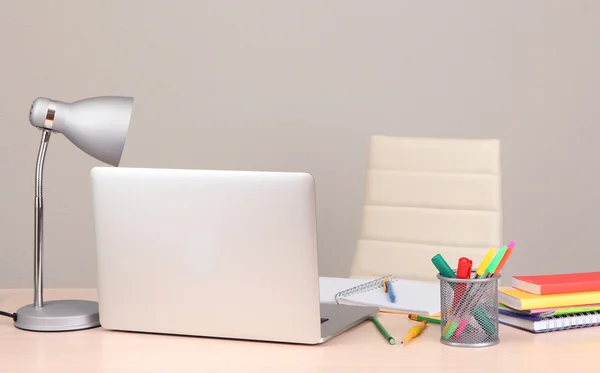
(367, 286)
(574, 321)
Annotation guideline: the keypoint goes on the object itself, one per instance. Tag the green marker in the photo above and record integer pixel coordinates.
(383, 331)
(484, 321)
(450, 330)
(479, 314)
(442, 266)
(494, 263)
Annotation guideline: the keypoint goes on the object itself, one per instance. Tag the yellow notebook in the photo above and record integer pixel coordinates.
(522, 300)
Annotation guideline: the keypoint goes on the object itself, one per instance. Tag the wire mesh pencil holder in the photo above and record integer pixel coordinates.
(469, 311)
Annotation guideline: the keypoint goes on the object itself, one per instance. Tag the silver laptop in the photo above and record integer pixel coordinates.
(227, 254)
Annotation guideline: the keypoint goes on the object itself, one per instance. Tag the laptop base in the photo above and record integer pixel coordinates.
(342, 318)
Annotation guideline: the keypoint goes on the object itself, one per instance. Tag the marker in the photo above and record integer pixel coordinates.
(480, 270)
(485, 262)
(478, 274)
(461, 326)
(468, 305)
(387, 286)
(503, 261)
(383, 331)
(494, 263)
(424, 318)
(445, 271)
(464, 268)
(463, 272)
(442, 266)
(484, 321)
(479, 313)
(414, 332)
(449, 330)
(495, 267)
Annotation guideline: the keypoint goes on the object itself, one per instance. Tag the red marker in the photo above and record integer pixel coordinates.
(464, 268)
(464, 272)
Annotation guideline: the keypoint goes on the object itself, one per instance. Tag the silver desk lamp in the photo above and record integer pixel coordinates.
(99, 127)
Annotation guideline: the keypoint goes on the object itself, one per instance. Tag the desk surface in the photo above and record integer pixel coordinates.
(361, 349)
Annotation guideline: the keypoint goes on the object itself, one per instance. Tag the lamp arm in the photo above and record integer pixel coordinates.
(38, 284)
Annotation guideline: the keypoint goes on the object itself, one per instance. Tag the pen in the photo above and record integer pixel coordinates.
(383, 331)
(414, 332)
(387, 286)
(424, 318)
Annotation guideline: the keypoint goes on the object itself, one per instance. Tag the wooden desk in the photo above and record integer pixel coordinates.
(361, 349)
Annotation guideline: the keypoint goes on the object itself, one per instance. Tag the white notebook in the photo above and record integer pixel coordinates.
(330, 286)
(411, 296)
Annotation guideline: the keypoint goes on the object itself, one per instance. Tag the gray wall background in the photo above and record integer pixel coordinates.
(282, 85)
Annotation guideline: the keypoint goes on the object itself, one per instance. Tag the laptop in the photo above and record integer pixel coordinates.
(212, 253)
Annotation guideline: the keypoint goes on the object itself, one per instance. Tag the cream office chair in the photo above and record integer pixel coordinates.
(426, 196)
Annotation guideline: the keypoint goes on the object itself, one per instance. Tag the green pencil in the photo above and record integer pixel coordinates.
(383, 331)
(424, 318)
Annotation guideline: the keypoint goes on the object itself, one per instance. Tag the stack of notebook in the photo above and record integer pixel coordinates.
(549, 303)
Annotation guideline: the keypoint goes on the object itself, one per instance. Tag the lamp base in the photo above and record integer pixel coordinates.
(59, 316)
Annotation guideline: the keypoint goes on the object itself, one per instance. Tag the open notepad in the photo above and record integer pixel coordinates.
(411, 296)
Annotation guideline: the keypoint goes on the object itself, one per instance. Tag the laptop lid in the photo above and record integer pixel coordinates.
(213, 253)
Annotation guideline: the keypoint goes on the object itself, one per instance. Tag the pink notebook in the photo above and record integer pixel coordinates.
(558, 283)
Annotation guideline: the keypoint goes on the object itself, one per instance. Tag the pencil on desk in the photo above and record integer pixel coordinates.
(414, 332)
(424, 318)
(382, 330)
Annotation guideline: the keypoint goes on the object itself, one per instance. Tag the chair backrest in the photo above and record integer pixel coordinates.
(425, 196)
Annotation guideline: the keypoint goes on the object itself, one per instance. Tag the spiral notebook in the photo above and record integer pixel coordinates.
(536, 324)
(411, 296)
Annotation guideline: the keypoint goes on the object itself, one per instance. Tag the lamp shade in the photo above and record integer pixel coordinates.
(96, 125)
